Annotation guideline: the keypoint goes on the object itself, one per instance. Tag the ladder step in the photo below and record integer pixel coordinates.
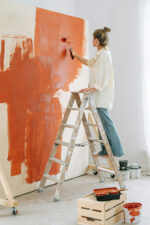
(88, 108)
(96, 140)
(81, 144)
(89, 124)
(49, 177)
(68, 125)
(77, 109)
(72, 108)
(57, 161)
(62, 143)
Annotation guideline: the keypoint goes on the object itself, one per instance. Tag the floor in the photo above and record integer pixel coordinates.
(39, 209)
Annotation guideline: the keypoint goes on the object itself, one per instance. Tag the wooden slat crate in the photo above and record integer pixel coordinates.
(93, 212)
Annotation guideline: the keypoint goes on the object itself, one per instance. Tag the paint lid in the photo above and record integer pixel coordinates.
(123, 161)
(124, 170)
(134, 166)
(132, 205)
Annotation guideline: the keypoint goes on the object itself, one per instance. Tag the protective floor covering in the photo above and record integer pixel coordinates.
(39, 209)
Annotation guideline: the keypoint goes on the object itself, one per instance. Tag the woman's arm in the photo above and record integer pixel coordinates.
(81, 59)
(88, 90)
(85, 62)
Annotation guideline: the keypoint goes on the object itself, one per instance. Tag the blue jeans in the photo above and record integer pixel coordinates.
(111, 134)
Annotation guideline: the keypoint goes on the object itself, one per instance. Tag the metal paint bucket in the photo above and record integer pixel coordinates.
(132, 212)
(135, 171)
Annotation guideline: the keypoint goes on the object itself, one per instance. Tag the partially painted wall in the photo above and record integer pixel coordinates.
(35, 72)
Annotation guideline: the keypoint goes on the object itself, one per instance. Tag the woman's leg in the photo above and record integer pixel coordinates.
(111, 133)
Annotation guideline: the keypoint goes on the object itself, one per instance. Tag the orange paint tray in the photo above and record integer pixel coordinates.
(105, 194)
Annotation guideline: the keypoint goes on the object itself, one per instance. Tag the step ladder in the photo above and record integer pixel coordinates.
(87, 103)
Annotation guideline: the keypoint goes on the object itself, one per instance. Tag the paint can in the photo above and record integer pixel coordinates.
(138, 173)
(123, 164)
(125, 174)
(132, 212)
(135, 171)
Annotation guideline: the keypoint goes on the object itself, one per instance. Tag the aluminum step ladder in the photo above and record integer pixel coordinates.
(81, 118)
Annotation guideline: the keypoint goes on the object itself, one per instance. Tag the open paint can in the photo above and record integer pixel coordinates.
(135, 171)
(132, 212)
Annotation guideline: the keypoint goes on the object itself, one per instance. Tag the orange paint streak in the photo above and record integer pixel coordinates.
(28, 87)
(134, 213)
(2, 55)
(131, 220)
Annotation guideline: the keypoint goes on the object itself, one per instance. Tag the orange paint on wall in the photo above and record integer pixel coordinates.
(28, 87)
(51, 28)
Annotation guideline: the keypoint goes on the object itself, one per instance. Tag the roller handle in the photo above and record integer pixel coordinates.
(72, 56)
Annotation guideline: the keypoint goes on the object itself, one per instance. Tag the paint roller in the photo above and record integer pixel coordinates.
(69, 42)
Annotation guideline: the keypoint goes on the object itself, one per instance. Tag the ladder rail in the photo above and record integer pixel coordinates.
(70, 148)
(88, 134)
(58, 137)
(106, 143)
(66, 116)
(100, 126)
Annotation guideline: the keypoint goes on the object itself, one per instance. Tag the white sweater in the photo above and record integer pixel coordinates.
(102, 78)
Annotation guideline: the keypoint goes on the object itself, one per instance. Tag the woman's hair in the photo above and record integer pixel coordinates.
(102, 36)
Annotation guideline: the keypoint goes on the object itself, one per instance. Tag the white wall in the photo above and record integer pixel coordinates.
(123, 18)
(62, 6)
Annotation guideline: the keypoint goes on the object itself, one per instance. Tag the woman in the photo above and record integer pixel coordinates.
(101, 83)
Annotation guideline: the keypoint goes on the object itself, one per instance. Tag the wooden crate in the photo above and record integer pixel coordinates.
(93, 212)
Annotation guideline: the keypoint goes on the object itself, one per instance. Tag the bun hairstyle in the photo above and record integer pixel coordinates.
(102, 36)
(107, 29)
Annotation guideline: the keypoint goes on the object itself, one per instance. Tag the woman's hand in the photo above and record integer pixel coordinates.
(81, 59)
(73, 53)
(88, 90)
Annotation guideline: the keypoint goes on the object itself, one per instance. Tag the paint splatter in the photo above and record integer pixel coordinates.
(28, 87)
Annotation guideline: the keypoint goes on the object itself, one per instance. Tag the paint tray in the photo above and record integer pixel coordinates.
(106, 194)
